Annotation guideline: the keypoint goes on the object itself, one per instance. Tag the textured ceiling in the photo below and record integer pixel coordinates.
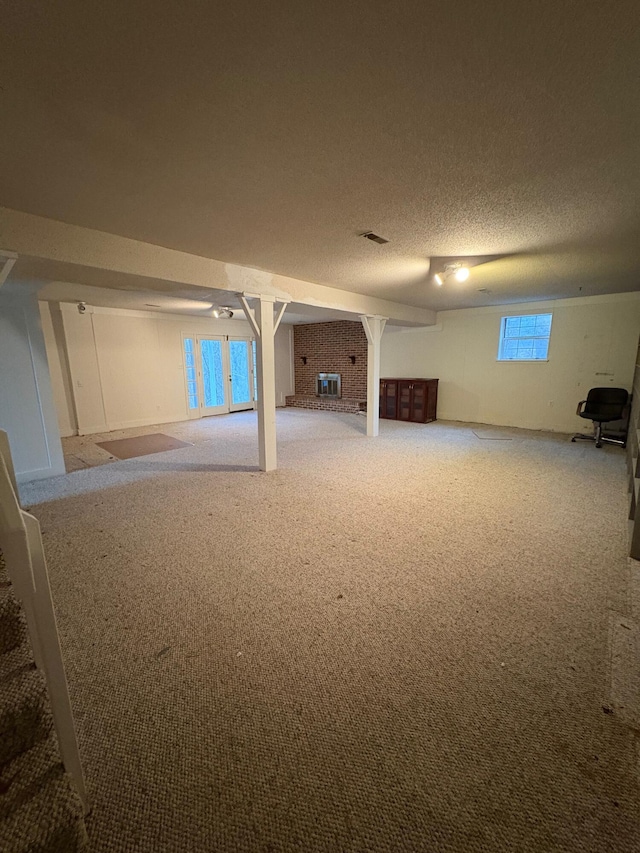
(271, 135)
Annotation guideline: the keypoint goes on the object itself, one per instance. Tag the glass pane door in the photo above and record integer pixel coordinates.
(191, 376)
(254, 360)
(241, 371)
(212, 375)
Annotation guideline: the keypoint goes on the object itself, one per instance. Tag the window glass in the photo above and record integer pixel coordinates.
(525, 338)
(189, 365)
(212, 377)
(255, 370)
(240, 384)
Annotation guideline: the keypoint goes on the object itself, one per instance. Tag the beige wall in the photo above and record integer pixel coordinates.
(125, 368)
(27, 411)
(593, 343)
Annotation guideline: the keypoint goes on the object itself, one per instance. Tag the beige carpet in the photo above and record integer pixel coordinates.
(388, 644)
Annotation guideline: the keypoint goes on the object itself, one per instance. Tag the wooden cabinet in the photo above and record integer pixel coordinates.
(412, 400)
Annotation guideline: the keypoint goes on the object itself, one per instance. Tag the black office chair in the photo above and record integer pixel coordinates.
(602, 406)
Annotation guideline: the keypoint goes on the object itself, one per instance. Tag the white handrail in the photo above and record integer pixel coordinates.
(21, 543)
(5, 451)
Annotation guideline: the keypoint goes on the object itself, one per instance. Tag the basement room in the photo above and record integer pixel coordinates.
(319, 428)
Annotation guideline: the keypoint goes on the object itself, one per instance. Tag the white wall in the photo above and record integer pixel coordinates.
(51, 318)
(593, 343)
(126, 368)
(26, 401)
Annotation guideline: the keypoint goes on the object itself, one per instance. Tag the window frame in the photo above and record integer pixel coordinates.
(502, 338)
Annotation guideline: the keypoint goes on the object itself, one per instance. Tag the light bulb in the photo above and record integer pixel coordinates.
(462, 274)
(438, 279)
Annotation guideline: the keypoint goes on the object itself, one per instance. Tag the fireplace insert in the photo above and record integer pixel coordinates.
(328, 385)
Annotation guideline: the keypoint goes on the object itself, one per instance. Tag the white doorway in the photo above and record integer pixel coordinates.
(241, 374)
(219, 374)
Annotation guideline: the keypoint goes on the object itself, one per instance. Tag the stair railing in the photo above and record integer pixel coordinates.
(21, 543)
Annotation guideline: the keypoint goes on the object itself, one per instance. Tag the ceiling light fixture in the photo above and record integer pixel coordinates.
(459, 271)
(222, 313)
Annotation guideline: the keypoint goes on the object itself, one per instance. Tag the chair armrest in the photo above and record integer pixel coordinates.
(580, 405)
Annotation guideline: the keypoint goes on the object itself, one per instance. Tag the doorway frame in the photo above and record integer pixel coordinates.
(196, 337)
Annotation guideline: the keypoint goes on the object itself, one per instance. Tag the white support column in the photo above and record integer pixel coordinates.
(265, 325)
(7, 260)
(373, 327)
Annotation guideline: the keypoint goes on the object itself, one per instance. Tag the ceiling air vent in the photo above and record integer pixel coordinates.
(376, 239)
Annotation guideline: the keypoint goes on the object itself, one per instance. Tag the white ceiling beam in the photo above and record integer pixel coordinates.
(73, 253)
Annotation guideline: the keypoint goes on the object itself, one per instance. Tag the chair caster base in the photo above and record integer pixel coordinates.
(599, 439)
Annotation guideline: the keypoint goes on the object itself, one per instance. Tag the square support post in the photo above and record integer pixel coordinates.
(265, 326)
(373, 327)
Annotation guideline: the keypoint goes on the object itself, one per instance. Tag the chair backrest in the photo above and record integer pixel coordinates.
(609, 402)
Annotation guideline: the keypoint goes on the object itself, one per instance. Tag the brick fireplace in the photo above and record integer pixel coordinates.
(335, 348)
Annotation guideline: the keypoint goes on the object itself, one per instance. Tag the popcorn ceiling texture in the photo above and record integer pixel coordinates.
(457, 128)
(327, 347)
(391, 644)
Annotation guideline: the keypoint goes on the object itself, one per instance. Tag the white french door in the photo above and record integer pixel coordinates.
(241, 374)
(219, 374)
(213, 368)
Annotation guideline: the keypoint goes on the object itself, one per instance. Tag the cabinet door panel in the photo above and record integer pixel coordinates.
(404, 401)
(388, 398)
(418, 402)
(432, 398)
(391, 399)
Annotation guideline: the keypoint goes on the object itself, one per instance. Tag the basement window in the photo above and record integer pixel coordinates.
(525, 338)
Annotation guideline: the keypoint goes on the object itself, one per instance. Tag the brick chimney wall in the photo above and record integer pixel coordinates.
(327, 347)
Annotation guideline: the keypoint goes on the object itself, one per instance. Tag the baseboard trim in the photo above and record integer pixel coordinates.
(39, 474)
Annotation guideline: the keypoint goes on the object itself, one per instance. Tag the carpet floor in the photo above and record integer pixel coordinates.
(391, 644)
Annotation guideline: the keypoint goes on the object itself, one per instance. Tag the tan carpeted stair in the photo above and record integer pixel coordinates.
(40, 811)
(12, 621)
(24, 715)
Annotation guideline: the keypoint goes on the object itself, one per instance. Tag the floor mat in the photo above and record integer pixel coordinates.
(142, 445)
